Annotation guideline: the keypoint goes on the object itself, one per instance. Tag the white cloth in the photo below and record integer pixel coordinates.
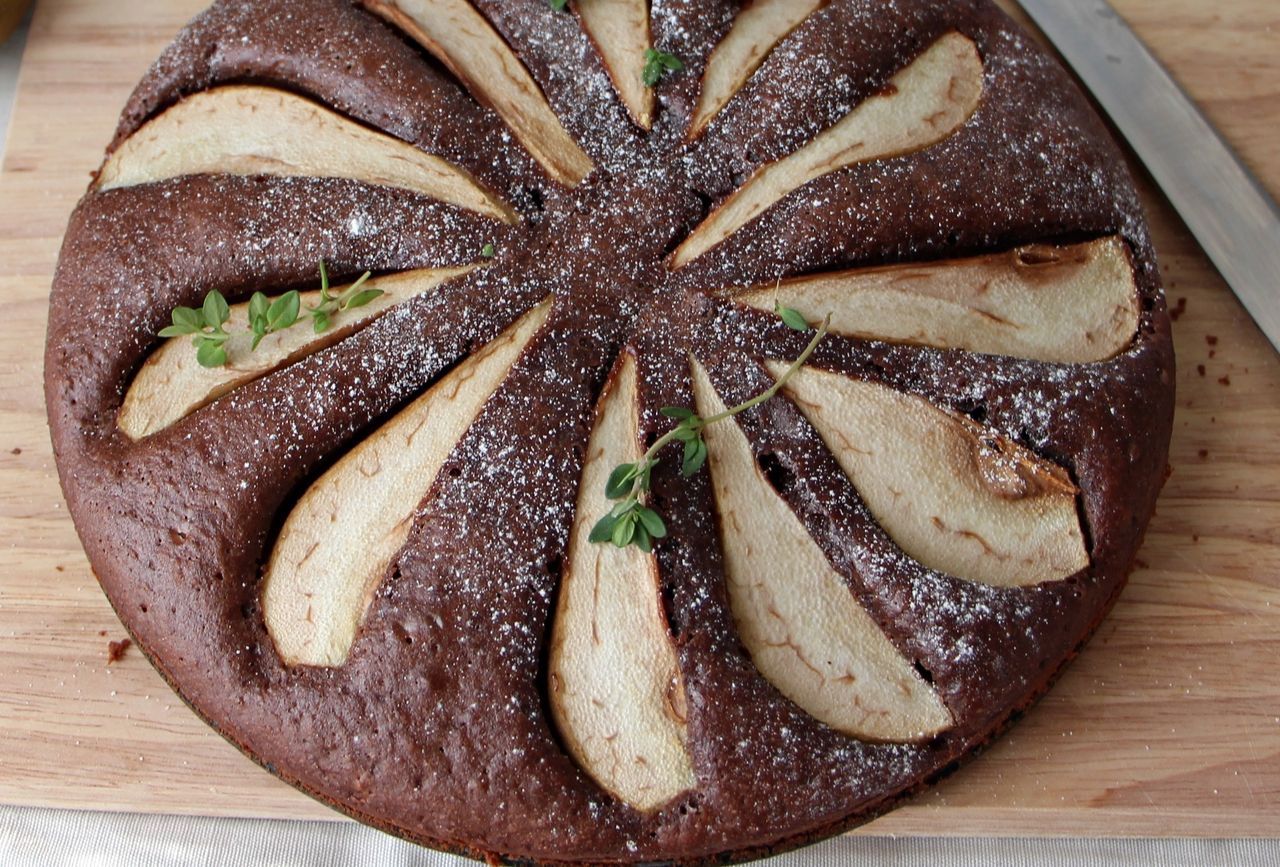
(31, 837)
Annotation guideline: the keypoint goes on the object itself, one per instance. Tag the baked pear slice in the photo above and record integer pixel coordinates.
(926, 103)
(339, 540)
(253, 130)
(620, 31)
(172, 384)
(756, 31)
(463, 40)
(802, 625)
(617, 696)
(1063, 304)
(953, 495)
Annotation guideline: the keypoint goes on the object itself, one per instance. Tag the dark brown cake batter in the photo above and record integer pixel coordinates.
(437, 727)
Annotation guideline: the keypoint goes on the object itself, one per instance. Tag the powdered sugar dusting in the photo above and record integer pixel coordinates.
(437, 725)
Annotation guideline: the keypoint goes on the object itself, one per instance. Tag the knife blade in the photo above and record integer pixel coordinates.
(1223, 204)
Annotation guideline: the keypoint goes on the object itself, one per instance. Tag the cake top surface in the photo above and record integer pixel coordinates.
(860, 293)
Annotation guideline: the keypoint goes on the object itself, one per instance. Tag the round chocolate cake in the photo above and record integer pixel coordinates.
(609, 431)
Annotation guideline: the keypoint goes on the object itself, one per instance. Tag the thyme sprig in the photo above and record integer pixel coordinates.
(632, 521)
(206, 324)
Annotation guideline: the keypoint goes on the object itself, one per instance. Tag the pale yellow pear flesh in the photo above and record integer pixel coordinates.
(339, 540)
(252, 130)
(954, 496)
(171, 384)
(620, 30)
(806, 632)
(1061, 304)
(927, 102)
(615, 686)
(463, 40)
(759, 27)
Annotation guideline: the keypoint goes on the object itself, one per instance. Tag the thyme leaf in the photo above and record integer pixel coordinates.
(657, 64)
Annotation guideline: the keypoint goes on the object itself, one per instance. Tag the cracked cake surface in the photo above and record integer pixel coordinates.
(363, 551)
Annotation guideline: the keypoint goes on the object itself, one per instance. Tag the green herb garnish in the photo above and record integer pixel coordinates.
(631, 522)
(657, 64)
(558, 5)
(791, 317)
(265, 316)
(268, 317)
(488, 251)
(354, 297)
(206, 326)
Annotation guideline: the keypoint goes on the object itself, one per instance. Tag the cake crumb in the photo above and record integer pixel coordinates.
(117, 649)
(16, 451)
(1204, 453)
(1178, 309)
(1200, 369)
(1224, 380)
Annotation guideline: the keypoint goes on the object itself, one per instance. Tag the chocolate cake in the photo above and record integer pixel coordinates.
(374, 533)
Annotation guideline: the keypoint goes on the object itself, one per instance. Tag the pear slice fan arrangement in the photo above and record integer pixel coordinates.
(364, 551)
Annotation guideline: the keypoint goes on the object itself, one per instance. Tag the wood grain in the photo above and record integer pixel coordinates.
(1168, 724)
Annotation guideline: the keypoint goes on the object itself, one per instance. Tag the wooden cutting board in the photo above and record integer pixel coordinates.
(1168, 724)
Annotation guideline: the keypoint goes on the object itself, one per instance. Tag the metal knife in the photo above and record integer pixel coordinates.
(1228, 211)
